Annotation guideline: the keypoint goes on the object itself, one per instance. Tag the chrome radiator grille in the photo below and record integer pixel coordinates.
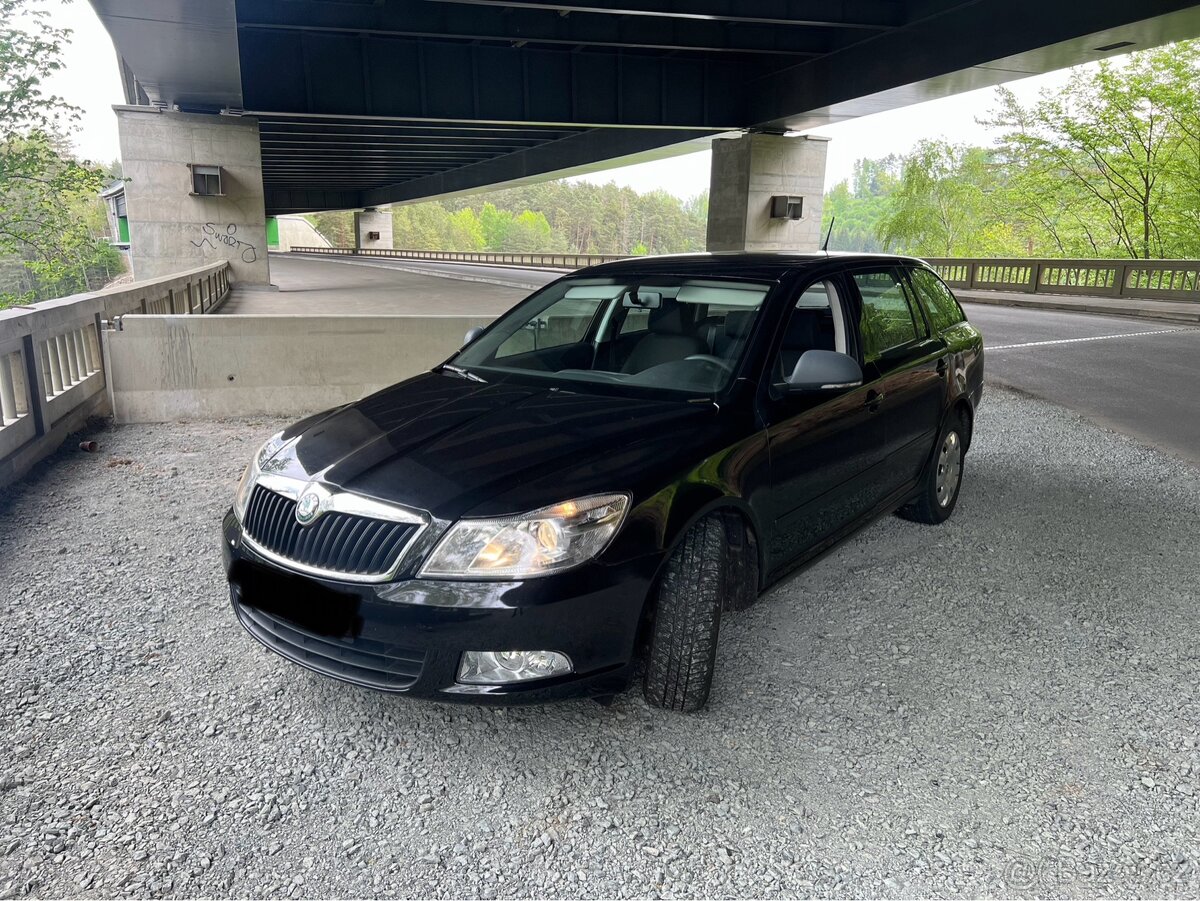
(337, 543)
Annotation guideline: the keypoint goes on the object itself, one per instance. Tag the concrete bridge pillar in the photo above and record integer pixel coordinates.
(373, 228)
(766, 193)
(194, 192)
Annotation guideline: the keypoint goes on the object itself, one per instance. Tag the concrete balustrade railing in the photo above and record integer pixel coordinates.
(522, 260)
(53, 373)
(1150, 279)
(1153, 279)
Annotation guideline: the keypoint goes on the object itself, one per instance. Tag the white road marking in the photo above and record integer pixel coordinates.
(1165, 331)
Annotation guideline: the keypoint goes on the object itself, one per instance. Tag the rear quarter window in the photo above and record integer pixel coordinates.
(888, 319)
(944, 311)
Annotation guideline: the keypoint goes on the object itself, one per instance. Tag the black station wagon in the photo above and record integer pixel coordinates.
(595, 479)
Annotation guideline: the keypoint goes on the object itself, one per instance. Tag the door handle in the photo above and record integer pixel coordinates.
(874, 399)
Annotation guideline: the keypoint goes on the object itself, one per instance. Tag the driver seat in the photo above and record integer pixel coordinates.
(666, 341)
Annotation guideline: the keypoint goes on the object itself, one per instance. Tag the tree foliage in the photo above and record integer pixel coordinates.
(1103, 166)
(943, 204)
(855, 207)
(552, 217)
(1109, 166)
(48, 203)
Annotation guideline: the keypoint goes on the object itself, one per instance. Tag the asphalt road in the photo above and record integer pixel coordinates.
(324, 285)
(1134, 376)
(529, 278)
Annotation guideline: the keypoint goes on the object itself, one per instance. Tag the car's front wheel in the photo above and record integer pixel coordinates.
(683, 645)
(943, 477)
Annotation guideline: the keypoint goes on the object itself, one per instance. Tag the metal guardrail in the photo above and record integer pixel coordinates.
(52, 366)
(1146, 279)
(527, 260)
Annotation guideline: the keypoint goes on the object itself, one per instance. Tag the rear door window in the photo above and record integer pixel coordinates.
(889, 319)
(944, 311)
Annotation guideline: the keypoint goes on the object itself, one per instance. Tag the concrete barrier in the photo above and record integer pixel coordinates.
(167, 368)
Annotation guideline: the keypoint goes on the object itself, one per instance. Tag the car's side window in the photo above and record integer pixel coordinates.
(944, 311)
(888, 318)
(815, 323)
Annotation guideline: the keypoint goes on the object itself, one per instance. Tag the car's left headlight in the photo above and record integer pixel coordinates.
(241, 499)
(539, 543)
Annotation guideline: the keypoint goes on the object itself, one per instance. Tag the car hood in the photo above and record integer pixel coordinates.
(455, 447)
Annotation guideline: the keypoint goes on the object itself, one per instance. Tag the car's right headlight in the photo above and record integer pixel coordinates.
(539, 543)
(241, 499)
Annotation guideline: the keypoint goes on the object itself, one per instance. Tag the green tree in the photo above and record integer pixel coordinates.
(336, 227)
(550, 217)
(530, 232)
(495, 225)
(466, 231)
(1112, 159)
(944, 205)
(855, 207)
(44, 190)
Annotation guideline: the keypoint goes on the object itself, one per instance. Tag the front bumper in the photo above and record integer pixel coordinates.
(408, 636)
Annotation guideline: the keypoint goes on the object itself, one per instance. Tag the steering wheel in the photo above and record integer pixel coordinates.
(709, 358)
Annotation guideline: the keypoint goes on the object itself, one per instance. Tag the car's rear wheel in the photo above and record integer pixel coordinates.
(687, 619)
(943, 477)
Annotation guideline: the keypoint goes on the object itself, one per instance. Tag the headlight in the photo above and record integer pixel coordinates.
(245, 487)
(533, 544)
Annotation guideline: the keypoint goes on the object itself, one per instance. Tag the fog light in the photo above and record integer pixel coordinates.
(499, 667)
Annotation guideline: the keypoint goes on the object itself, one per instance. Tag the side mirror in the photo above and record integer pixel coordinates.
(824, 370)
(472, 334)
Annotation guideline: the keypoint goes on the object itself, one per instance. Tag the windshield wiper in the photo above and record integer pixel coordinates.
(458, 370)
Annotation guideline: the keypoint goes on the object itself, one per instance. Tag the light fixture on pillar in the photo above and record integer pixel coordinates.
(787, 206)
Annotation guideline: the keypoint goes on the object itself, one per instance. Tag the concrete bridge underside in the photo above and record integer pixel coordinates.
(365, 103)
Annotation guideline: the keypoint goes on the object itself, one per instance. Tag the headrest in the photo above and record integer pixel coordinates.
(738, 322)
(667, 319)
(802, 329)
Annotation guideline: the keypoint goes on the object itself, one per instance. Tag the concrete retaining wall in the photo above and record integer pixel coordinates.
(166, 368)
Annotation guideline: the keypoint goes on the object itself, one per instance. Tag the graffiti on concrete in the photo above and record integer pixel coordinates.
(211, 236)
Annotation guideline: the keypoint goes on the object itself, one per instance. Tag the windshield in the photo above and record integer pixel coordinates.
(674, 333)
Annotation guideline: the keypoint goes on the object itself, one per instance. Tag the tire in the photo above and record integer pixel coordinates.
(683, 644)
(943, 477)
(741, 566)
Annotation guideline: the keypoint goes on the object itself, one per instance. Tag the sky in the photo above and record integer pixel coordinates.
(90, 81)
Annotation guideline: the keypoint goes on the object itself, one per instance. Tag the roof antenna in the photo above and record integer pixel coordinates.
(825, 246)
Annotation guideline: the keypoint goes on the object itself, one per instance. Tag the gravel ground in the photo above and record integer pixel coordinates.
(1003, 705)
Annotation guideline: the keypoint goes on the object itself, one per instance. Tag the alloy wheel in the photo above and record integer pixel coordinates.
(949, 469)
